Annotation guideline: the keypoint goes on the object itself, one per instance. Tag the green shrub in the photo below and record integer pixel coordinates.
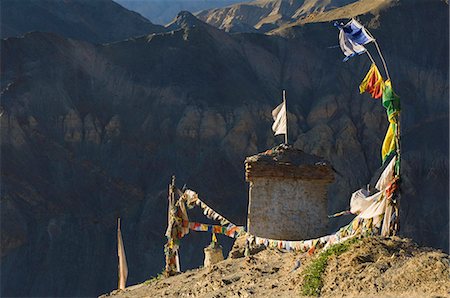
(312, 282)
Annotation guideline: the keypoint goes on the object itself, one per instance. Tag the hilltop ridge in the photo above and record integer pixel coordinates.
(371, 267)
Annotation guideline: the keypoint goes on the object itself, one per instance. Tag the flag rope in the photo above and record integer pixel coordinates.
(382, 59)
(370, 57)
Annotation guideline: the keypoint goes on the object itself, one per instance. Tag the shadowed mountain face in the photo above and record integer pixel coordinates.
(90, 133)
(96, 21)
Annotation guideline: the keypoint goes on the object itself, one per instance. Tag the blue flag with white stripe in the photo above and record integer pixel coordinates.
(352, 37)
(357, 33)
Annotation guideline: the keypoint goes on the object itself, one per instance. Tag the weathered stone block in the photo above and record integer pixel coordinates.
(287, 194)
(287, 208)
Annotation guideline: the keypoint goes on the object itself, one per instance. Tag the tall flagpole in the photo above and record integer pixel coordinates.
(285, 115)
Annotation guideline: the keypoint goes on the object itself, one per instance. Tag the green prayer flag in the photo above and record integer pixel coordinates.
(391, 101)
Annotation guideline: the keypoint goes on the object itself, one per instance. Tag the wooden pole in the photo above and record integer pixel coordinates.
(118, 254)
(170, 253)
(172, 199)
(398, 199)
(285, 111)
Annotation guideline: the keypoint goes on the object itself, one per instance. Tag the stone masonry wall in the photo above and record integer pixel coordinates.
(287, 209)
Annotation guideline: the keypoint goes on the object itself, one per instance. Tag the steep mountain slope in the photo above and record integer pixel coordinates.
(93, 132)
(163, 11)
(266, 15)
(373, 267)
(95, 21)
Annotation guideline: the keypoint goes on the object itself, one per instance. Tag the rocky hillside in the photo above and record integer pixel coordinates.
(377, 267)
(266, 15)
(93, 132)
(95, 21)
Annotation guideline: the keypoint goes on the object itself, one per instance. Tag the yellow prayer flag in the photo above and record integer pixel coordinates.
(389, 143)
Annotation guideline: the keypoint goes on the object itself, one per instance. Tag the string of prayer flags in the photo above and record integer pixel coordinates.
(301, 246)
(372, 83)
(230, 230)
(192, 199)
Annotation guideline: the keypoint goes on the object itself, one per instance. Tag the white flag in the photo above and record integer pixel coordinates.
(279, 116)
(123, 268)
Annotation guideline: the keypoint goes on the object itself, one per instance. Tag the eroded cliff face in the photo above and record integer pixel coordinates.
(90, 133)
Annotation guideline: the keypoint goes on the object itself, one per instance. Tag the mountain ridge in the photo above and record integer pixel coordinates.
(74, 19)
(268, 15)
(162, 12)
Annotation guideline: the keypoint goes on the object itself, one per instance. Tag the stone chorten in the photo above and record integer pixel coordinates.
(287, 194)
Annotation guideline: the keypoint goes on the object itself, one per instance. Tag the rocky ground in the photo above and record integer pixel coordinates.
(372, 267)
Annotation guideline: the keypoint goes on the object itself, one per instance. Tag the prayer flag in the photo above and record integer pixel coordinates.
(391, 102)
(279, 117)
(357, 33)
(123, 268)
(352, 38)
(348, 47)
(372, 83)
(389, 143)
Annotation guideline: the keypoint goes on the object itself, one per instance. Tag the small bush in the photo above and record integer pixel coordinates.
(312, 283)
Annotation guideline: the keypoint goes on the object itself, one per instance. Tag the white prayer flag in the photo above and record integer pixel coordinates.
(123, 268)
(279, 116)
